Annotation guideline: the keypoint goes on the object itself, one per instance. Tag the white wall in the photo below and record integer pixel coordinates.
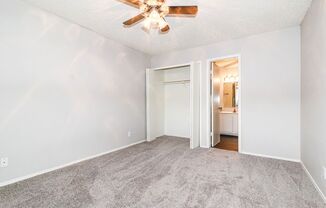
(270, 85)
(66, 93)
(177, 103)
(313, 99)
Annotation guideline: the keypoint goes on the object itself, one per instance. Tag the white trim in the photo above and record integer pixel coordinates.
(207, 147)
(191, 120)
(208, 71)
(15, 180)
(194, 106)
(272, 157)
(147, 107)
(314, 182)
(201, 106)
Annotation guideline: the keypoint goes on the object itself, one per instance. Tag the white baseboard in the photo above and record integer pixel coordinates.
(272, 157)
(314, 182)
(15, 180)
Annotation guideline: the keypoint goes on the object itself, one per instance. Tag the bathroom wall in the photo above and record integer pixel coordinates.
(313, 88)
(66, 93)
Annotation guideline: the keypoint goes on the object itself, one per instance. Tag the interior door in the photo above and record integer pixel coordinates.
(195, 105)
(216, 101)
(154, 104)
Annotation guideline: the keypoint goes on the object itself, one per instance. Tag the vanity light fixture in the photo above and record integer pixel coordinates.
(231, 78)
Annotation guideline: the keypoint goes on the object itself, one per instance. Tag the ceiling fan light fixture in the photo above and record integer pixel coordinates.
(152, 19)
(154, 13)
(147, 24)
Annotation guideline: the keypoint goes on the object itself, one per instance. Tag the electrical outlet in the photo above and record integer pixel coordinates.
(129, 133)
(4, 162)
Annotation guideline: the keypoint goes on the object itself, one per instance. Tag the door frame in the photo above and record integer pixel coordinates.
(192, 66)
(209, 98)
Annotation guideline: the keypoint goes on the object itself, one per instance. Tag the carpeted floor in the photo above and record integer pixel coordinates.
(167, 174)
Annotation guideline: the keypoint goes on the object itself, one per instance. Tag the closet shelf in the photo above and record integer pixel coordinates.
(177, 81)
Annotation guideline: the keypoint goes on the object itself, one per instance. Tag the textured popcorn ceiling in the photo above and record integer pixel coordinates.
(217, 20)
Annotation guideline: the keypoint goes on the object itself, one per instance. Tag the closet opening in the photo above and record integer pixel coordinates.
(225, 99)
(172, 100)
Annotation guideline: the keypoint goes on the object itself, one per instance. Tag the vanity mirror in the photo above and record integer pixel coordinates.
(230, 94)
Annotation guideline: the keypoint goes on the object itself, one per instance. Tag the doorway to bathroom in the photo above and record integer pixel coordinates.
(225, 99)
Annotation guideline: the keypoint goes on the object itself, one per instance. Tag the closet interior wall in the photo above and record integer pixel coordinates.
(177, 102)
(169, 99)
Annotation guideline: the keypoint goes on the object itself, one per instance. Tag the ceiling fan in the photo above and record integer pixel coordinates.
(154, 11)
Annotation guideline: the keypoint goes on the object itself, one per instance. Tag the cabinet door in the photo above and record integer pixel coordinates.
(226, 123)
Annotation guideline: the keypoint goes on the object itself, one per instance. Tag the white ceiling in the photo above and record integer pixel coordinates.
(217, 20)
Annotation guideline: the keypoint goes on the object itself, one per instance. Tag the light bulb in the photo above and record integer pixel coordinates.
(162, 23)
(147, 23)
(154, 15)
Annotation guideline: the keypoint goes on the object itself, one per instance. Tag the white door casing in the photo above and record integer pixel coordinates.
(195, 104)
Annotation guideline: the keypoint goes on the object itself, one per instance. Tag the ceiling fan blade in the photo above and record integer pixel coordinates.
(183, 10)
(133, 3)
(134, 20)
(165, 29)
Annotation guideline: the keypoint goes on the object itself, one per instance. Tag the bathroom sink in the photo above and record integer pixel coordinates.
(226, 112)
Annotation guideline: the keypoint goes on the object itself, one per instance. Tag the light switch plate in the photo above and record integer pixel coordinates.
(324, 168)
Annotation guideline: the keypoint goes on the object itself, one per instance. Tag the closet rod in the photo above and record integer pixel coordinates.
(177, 81)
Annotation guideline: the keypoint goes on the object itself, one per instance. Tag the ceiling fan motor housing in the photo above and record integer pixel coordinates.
(160, 7)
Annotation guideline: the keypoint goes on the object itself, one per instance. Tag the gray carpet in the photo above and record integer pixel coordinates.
(166, 173)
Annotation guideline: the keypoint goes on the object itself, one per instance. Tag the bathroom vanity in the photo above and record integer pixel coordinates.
(229, 123)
